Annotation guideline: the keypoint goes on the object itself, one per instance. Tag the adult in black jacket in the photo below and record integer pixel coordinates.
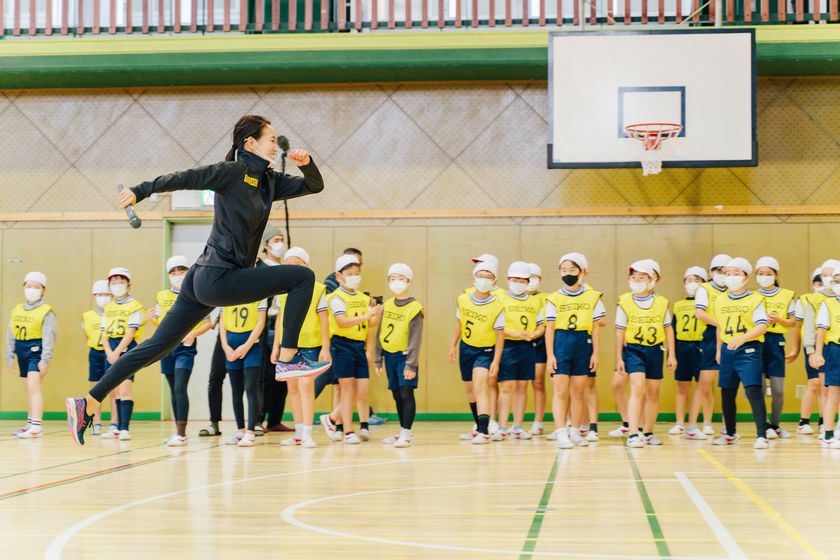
(225, 275)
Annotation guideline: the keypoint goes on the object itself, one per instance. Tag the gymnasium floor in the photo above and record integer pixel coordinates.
(439, 499)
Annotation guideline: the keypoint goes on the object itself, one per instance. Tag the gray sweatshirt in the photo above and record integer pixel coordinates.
(809, 326)
(415, 335)
(50, 330)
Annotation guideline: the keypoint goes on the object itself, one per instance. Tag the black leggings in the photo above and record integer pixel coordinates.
(406, 406)
(755, 395)
(217, 379)
(247, 382)
(274, 393)
(207, 287)
(180, 400)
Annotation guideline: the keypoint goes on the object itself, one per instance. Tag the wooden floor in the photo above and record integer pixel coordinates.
(439, 499)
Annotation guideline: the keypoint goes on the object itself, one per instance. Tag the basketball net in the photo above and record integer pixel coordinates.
(652, 135)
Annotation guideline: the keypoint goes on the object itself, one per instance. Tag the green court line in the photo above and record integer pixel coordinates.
(650, 513)
(536, 523)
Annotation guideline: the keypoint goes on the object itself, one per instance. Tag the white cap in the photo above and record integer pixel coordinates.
(298, 252)
(487, 266)
(836, 271)
(401, 268)
(38, 277)
(719, 261)
(696, 271)
(486, 257)
(576, 258)
(344, 261)
(654, 265)
(769, 262)
(519, 269)
(831, 263)
(742, 264)
(101, 287)
(645, 265)
(119, 271)
(535, 269)
(817, 272)
(175, 262)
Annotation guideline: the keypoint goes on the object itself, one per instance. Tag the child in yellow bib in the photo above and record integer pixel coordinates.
(826, 357)
(643, 333)
(398, 349)
(177, 366)
(477, 342)
(97, 359)
(689, 333)
(742, 319)
(538, 384)
(122, 327)
(781, 317)
(241, 327)
(313, 345)
(31, 341)
(352, 326)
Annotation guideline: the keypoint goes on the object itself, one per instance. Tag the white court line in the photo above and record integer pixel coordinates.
(289, 517)
(712, 520)
(56, 546)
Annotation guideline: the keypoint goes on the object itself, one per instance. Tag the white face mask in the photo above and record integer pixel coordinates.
(827, 281)
(176, 281)
(119, 290)
(102, 301)
(271, 162)
(719, 278)
(277, 249)
(32, 294)
(533, 284)
(484, 285)
(734, 282)
(398, 286)
(517, 288)
(836, 289)
(691, 288)
(638, 287)
(651, 285)
(353, 282)
(765, 280)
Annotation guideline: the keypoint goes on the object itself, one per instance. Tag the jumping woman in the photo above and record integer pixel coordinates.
(224, 275)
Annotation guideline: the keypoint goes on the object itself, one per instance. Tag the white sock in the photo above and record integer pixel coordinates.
(35, 425)
(405, 434)
(298, 430)
(306, 431)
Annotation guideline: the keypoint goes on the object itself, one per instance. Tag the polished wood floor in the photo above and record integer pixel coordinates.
(439, 499)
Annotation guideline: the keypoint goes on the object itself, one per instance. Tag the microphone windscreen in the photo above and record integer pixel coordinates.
(283, 142)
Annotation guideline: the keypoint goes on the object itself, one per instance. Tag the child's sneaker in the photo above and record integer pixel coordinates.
(17, 431)
(31, 433)
(708, 429)
(328, 424)
(493, 427)
(592, 436)
(726, 439)
(125, 435)
(552, 436)
(771, 434)
(678, 429)
(112, 433)
(635, 441)
(468, 436)
(480, 439)
(364, 434)
(536, 429)
(176, 441)
(652, 440)
(500, 435)
(308, 443)
(694, 433)
(832, 443)
(519, 433)
(403, 442)
(234, 439)
(247, 440)
(782, 433)
(761, 443)
(78, 420)
(391, 440)
(563, 439)
(574, 437)
(352, 439)
(299, 367)
(621, 431)
(291, 441)
(805, 430)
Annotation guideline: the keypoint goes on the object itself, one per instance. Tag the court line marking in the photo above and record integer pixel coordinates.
(289, 517)
(713, 521)
(768, 510)
(536, 523)
(12, 475)
(56, 546)
(650, 513)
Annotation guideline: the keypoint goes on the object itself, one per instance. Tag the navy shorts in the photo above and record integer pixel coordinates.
(539, 350)
(112, 344)
(773, 355)
(28, 354)
(831, 353)
(349, 360)
(689, 358)
(573, 351)
(97, 360)
(708, 348)
(471, 357)
(310, 354)
(643, 359)
(809, 371)
(182, 357)
(254, 357)
(517, 361)
(743, 365)
(395, 368)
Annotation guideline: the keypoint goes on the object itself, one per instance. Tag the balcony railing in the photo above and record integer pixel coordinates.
(23, 18)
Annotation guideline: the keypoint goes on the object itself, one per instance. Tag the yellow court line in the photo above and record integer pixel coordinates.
(768, 510)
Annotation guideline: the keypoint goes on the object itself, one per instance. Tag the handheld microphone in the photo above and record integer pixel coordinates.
(133, 219)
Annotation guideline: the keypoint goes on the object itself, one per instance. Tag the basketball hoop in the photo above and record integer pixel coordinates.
(652, 135)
